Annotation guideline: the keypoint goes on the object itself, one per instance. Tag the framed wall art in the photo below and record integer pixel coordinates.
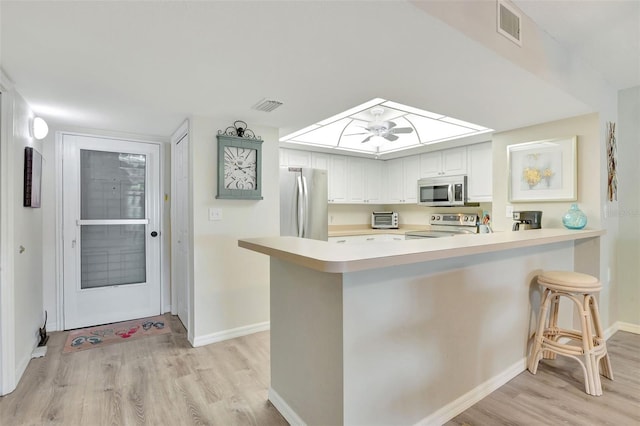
(239, 168)
(543, 170)
(32, 178)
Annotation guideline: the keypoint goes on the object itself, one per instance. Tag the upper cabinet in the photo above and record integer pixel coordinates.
(402, 180)
(357, 180)
(444, 163)
(480, 174)
(295, 158)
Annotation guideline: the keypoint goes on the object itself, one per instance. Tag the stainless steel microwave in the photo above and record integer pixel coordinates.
(443, 191)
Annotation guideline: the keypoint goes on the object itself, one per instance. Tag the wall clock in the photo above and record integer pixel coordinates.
(239, 168)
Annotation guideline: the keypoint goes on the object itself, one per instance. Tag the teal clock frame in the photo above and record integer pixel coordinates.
(239, 194)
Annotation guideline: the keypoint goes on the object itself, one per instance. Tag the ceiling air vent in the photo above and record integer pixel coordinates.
(267, 105)
(509, 22)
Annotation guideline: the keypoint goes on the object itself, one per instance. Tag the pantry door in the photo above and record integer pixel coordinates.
(111, 217)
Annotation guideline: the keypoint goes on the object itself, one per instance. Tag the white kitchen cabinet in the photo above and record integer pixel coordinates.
(320, 160)
(480, 172)
(352, 180)
(402, 180)
(336, 167)
(295, 158)
(447, 162)
(363, 180)
(337, 177)
(363, 239)
(373, 181)
(356, 180)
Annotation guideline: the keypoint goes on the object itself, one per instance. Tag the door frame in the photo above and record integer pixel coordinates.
(7, 200)
(60, 324)
(183, 131)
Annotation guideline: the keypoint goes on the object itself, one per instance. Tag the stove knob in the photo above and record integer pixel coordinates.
(433, 218)
(438, 217)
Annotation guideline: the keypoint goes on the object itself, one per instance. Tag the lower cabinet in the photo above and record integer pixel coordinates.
(363, 239)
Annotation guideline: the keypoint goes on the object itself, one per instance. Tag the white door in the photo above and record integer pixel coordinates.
(111, 217)
(180, 235)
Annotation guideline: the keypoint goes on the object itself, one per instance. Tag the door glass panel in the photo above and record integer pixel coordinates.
(112, 185)
(112, 255)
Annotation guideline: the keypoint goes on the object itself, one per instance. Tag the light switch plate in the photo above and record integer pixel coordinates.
(509, 211)
(215, 214)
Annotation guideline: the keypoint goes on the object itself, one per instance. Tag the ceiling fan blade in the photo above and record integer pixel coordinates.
(367, 139)
(390, 125)
(353, 134)
(390, 137)
(402, 130)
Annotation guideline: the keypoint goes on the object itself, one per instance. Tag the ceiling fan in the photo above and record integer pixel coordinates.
(380, 128)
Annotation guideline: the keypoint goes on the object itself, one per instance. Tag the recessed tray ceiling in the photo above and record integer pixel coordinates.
(347, 130)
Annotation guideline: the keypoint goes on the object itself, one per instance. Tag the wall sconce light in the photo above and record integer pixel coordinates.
(39, 128)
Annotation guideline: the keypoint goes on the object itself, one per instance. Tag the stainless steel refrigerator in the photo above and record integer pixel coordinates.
(303, 203)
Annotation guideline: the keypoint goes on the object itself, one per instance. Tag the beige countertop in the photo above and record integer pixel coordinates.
(328, 257)
(348, 230)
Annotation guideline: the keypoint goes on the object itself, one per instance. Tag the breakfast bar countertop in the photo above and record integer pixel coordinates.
(326, 257)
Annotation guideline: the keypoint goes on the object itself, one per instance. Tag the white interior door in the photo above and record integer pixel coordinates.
(111, 216)
(181, 232)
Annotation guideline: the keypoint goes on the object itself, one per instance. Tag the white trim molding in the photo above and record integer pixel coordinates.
(229, 334)
(621, 326)
(283, 408)
(470, 398)
(8, 376)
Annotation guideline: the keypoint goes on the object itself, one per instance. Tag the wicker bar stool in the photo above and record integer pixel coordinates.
(587, 345)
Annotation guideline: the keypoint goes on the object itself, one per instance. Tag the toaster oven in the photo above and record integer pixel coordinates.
(384, 220)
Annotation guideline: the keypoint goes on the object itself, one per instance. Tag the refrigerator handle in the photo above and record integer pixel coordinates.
(305, 207)
(300, 205)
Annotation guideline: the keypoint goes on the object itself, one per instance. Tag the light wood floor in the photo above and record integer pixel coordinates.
(161, 380)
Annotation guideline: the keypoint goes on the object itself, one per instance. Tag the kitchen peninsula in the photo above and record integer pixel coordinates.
(406, 333)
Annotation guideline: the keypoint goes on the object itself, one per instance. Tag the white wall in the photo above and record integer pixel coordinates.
(628, 247)
(231, 285)
(590, 198)
(22, 246)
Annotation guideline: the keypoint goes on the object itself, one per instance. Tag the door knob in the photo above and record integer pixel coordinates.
(154, 234)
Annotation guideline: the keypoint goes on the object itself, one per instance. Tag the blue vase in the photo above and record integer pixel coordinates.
(574, 218)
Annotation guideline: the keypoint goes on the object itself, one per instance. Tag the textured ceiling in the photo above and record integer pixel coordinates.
(143, 67)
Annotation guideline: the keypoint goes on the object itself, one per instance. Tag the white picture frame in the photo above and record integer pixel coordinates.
(543, 170)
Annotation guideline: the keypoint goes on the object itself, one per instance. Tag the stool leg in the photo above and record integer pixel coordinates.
(534, 356)
(605, 362)
(592, 379)
(551, 331)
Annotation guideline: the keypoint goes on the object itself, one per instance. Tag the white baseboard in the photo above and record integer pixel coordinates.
(622, 326)
(459, 405)
(52, 326)
(229, 334)
(287, 412)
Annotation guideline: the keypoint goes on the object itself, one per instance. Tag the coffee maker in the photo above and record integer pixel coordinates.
(528, 219)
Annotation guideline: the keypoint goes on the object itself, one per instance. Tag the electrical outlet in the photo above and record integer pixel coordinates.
(509, 211)
(215, 214)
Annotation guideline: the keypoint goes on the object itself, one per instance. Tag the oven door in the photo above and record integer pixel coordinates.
(435, 194)
(382, 221)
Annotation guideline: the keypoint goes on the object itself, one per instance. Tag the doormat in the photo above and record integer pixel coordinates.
(108, 334)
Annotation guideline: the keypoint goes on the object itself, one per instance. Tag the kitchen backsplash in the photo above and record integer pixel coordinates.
(409, 214)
